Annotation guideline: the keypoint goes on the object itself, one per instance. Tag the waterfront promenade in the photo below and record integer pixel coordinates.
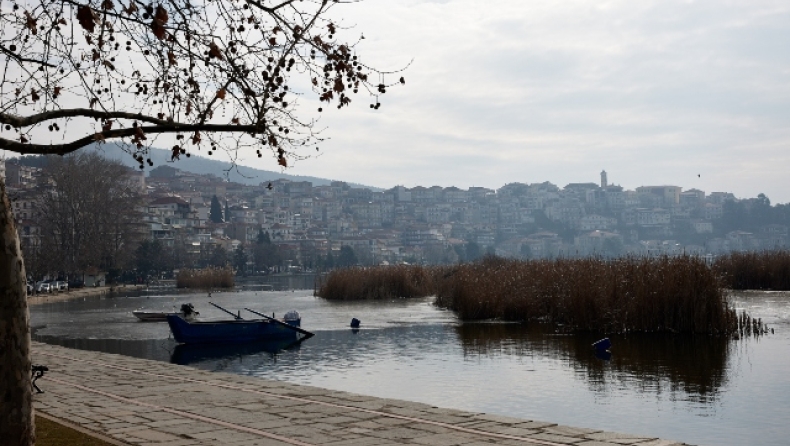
(77, 293)
(144, 402)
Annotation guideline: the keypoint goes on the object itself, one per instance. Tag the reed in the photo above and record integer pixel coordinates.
(679, 294)
(768, 270)
(206, 278)
(380, 282)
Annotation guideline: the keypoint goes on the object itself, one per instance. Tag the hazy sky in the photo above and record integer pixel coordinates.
(688, 93)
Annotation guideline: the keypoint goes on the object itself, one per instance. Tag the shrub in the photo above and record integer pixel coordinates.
(379, 282)
(207, 278)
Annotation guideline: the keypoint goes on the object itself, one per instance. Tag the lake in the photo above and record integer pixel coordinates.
(695, 389)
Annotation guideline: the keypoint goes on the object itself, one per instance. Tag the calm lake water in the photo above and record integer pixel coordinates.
(695, 389)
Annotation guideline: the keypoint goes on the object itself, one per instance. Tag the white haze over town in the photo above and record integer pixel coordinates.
(687, 93)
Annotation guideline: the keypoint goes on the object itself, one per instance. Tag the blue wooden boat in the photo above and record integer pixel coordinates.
(239, 330)
(187, 310)
(236, 330)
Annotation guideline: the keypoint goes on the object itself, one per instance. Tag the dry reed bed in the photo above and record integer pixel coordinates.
(768, 270)
(380, 282)
(679, 294)
(207, 278)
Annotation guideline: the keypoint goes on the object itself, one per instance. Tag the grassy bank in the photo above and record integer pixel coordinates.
(51, 433)
(768, 270)
(207, 278)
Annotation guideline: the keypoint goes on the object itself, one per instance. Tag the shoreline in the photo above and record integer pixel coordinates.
(39, 299)
(140, 401)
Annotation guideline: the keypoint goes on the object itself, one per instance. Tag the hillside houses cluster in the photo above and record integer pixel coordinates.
(426, 224)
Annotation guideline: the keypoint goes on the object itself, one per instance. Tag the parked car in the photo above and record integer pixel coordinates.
(30, 288)
(62, 285)
(76, 283)
(43, 287)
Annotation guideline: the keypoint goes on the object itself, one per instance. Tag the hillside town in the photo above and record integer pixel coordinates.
(308, 223)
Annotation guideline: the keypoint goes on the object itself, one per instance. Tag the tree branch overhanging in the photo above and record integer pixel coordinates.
(38, 118)
(66, 148)
(215, 66)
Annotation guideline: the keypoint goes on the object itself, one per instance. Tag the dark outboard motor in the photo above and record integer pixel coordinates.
(292, 317)
(188, 310)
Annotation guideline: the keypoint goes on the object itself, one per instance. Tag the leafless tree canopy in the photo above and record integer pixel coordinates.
(216, 74)
(89, 213)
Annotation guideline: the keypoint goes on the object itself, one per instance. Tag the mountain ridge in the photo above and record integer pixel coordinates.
(224, 169)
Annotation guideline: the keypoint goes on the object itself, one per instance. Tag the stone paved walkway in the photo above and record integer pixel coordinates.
(145, 402)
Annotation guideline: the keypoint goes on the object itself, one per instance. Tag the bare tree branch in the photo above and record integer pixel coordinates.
(26, 121)
(63, 149)
(21, 59)
(218, 67)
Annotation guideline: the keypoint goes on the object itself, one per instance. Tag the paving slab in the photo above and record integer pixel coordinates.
(141, 402)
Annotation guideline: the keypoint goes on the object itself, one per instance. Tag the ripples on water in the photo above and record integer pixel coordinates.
(696, 389)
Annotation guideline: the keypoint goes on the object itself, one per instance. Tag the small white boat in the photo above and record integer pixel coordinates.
(187, 312)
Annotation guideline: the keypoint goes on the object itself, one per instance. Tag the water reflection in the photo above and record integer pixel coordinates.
(156, 349)
(186, 354)
(696, 365)
(698, 390)
(235, 358)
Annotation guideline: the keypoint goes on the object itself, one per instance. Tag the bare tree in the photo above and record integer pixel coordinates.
(89, 214)
(193, 74)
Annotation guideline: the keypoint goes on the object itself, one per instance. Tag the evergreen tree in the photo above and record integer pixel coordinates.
(473, 251)
(150, 257)
(263, 238)
(265, 255)
(347, 257)
(240, 260)
(219, 257)
(215, 213)
(526, 251)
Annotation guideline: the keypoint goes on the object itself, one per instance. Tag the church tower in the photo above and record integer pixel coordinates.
(604, 183)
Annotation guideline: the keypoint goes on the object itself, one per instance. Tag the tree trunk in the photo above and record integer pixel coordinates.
(16, 396)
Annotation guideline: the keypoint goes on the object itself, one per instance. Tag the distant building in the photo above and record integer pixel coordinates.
(20, 176)
(669, 194)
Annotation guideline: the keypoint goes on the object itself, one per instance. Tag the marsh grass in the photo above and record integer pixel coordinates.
(768, 270)
(380, 282)
(206, 278)
(678, 294)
